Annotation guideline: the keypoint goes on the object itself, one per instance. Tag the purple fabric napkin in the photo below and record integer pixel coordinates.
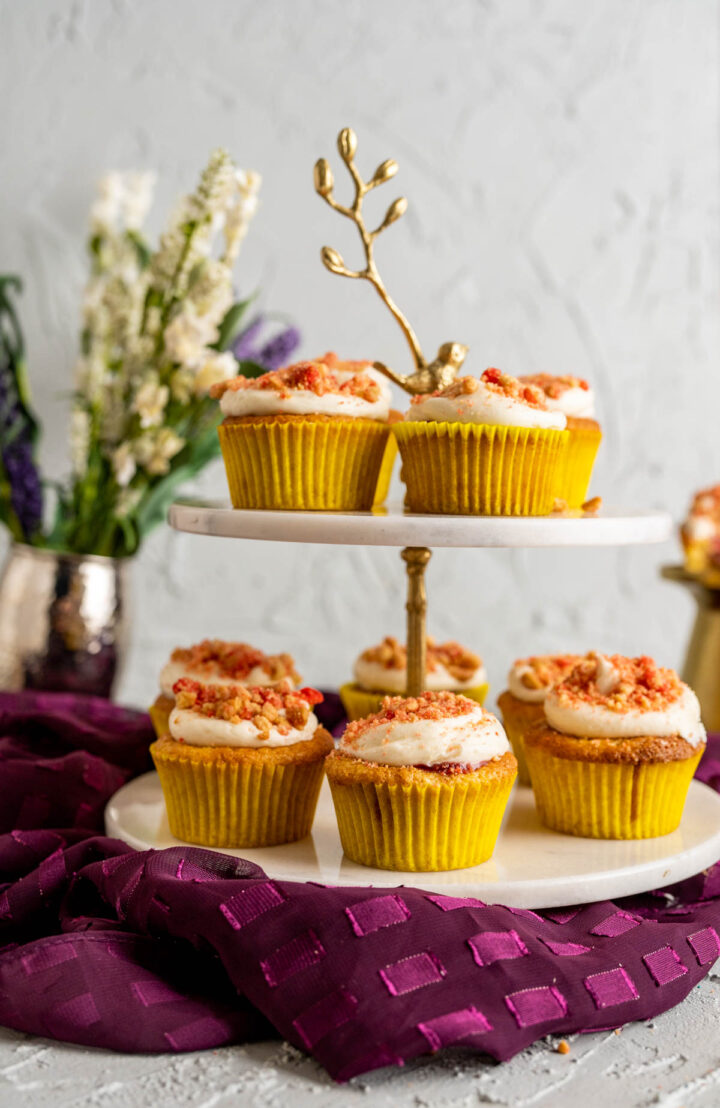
(184, 949)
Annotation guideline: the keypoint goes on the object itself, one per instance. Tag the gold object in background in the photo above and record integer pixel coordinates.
(451, 355)
(701, 669)
(416, 559)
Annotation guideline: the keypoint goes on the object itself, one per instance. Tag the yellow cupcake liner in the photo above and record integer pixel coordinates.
(308, 464)
(386, 471)
(609, 800)
(449, 824)
(576, 470)
(517, 716)
(159, 713)
(238, 803)
(473, 469)
(359, 703)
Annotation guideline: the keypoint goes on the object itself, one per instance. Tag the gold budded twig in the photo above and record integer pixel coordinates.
(451, 355)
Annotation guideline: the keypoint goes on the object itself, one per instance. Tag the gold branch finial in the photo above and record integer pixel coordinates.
(451, 355)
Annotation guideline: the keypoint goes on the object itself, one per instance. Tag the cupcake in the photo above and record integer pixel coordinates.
(215, 662)
(422, 785)
(615, 754)
(344, 370)
(302, 438)
(700, 535)
(241, 766)
(381, 671)
(482, 446)
(521, 705)
(575, 399)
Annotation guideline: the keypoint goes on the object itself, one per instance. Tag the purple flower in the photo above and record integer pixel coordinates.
(244, 347)
(279, 349)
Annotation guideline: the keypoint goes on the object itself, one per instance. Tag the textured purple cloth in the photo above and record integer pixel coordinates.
(184, 949)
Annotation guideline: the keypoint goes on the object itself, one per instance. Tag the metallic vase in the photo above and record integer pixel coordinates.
(63, 621)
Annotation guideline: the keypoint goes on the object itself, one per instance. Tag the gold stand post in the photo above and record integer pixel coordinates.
(416, 559)
(701, 669)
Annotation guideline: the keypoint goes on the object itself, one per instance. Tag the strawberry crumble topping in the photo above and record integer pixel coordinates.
(542, 671)
(413, 709)
(500, 384)
(620, 684)
(234, 660)
(554, 386)
(332, 361)
(460, 662)
(281, 708)
(314, 377)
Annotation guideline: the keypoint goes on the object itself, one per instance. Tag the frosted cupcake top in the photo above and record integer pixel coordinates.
(494, 398)
(700, 532)
(530, 679)
(233, 715)
(307, 388)
(226, 663)
(564, 393)
(610, 696)
(448, 666)
(436, 729)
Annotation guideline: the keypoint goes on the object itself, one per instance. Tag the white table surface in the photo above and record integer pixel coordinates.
(672, 1061)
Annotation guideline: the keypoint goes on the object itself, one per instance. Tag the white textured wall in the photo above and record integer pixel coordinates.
(561, 160)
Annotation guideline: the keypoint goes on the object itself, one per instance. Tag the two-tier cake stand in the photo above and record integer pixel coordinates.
(531, 866)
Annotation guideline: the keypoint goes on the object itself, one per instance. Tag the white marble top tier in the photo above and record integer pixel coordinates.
(393, 527)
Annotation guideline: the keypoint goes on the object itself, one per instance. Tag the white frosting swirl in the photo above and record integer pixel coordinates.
(486, 406)
(173, 671)
(258, 402)
(575, 401)
(198, 730)
(521, 691)
(594, 721)
(375, 677)
(470, 739)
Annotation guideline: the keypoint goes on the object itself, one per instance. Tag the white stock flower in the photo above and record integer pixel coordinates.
(127, 501)
(182, 385)
(150, 401)
(154, 450)
(215, 368)
(79, 440)
(187, 335)
(139, 189)
(123, 464)
(105, 210)
(242, 211)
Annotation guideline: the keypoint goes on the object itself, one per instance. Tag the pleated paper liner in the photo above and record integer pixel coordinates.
(159, 713)
(359, 703)
(418, 821)
(322, 463)
(386, 471)
(517, 716)
(609, 800)
(235, 797)
(576, 469)
(473, 469)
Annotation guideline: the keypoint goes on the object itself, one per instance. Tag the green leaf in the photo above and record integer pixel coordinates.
(251, 369)
(143, 251)
(230, 326)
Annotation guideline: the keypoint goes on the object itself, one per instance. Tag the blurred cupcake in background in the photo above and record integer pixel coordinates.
(617, 749)
(216, 662)
(522, 703)
(381, 671)
(576, 400)
(700, 535)
(482, 446)
(422, 785)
